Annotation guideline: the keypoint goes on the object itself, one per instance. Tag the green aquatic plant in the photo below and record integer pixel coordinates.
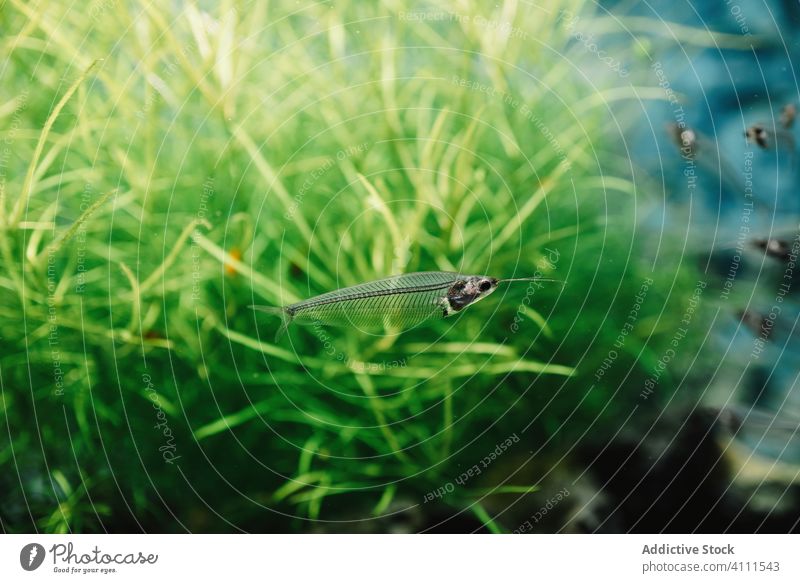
(166, 167)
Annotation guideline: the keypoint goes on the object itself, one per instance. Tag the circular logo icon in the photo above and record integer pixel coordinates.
(31, 556)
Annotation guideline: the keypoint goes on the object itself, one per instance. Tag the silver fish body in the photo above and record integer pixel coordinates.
(395, 303)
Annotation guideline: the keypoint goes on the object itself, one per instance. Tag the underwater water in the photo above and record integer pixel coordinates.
(165, 169)
(732, 201)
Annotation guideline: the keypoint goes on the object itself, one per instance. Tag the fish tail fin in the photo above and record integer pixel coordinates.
(282, 313)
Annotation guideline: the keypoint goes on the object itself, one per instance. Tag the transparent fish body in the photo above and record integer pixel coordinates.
(401, 301)
(394, 303)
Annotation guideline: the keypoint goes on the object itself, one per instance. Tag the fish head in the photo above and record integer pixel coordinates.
(467, 290)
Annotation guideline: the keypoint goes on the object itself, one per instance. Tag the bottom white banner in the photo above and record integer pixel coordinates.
(355, 558)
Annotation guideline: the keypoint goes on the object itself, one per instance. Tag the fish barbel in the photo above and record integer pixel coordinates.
(396, 302)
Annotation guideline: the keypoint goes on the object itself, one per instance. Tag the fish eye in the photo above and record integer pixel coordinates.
(485, 285)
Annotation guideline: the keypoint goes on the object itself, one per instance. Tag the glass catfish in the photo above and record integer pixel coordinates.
(395, 303)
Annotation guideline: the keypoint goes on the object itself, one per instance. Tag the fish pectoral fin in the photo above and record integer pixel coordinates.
(447, 309)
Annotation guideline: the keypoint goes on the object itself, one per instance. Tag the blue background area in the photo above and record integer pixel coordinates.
(723, 91)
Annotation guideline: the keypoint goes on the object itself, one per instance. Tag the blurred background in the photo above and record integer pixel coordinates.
(162, 167)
